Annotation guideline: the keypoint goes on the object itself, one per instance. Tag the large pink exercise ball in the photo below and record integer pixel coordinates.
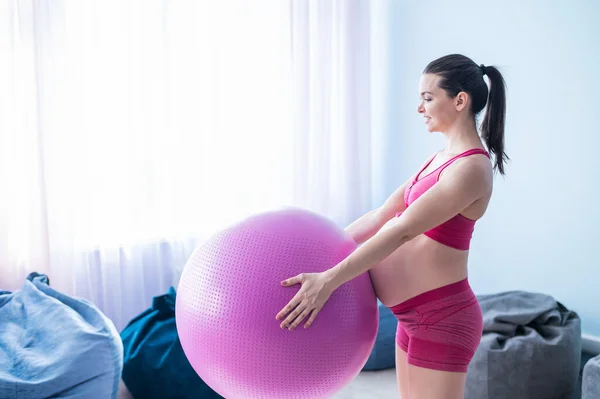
(230, 292)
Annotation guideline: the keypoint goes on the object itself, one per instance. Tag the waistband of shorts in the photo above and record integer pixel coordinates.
(433, 295)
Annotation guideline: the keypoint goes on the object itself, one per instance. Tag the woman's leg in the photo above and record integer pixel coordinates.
(402, 373)
(435, 384)
(402, 342)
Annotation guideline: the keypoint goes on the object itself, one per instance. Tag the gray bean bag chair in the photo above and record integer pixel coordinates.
(590, 388)
(530, 348)
(56, 346)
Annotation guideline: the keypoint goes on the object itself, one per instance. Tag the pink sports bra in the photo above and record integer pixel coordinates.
(456, 232)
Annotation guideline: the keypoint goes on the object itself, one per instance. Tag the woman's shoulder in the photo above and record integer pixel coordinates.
(475, 169)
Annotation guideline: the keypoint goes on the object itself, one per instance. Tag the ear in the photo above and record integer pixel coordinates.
(461, 101)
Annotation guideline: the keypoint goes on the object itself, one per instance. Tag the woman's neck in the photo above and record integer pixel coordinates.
(461, 138)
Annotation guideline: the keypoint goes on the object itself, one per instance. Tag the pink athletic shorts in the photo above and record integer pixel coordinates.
(440, 329)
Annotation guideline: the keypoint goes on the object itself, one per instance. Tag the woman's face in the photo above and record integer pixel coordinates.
(436, 106)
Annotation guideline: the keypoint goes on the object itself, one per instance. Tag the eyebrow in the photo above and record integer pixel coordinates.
(426, 92)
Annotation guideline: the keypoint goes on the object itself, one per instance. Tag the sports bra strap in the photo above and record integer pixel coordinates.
(472, 151)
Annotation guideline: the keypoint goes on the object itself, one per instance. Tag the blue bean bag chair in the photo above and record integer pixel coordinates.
(155, 366)
(383, 355)
(55, 346)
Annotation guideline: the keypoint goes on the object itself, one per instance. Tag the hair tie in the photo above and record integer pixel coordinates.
(482, 68)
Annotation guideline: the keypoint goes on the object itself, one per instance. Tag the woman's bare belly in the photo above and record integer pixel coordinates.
(419, 265)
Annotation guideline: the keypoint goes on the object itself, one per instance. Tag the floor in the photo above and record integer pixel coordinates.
(367, 385)
(379, 384)
(382, 384)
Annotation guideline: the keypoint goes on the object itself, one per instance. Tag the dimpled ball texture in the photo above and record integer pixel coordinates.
(230, 293)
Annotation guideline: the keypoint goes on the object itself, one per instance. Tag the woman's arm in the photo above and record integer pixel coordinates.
(456, 190)
(463, 183)
(371, 222)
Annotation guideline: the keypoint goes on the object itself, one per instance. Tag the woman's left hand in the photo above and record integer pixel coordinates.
(315, 291)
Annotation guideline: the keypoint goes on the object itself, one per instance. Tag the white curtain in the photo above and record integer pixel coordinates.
(133, 130)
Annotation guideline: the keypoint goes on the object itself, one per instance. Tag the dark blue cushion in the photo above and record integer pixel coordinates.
(383, 355)
(155, 365)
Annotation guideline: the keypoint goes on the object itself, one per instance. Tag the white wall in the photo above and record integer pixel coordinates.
(542, 229)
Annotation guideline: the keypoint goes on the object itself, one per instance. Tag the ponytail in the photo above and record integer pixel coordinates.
(492, 127)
